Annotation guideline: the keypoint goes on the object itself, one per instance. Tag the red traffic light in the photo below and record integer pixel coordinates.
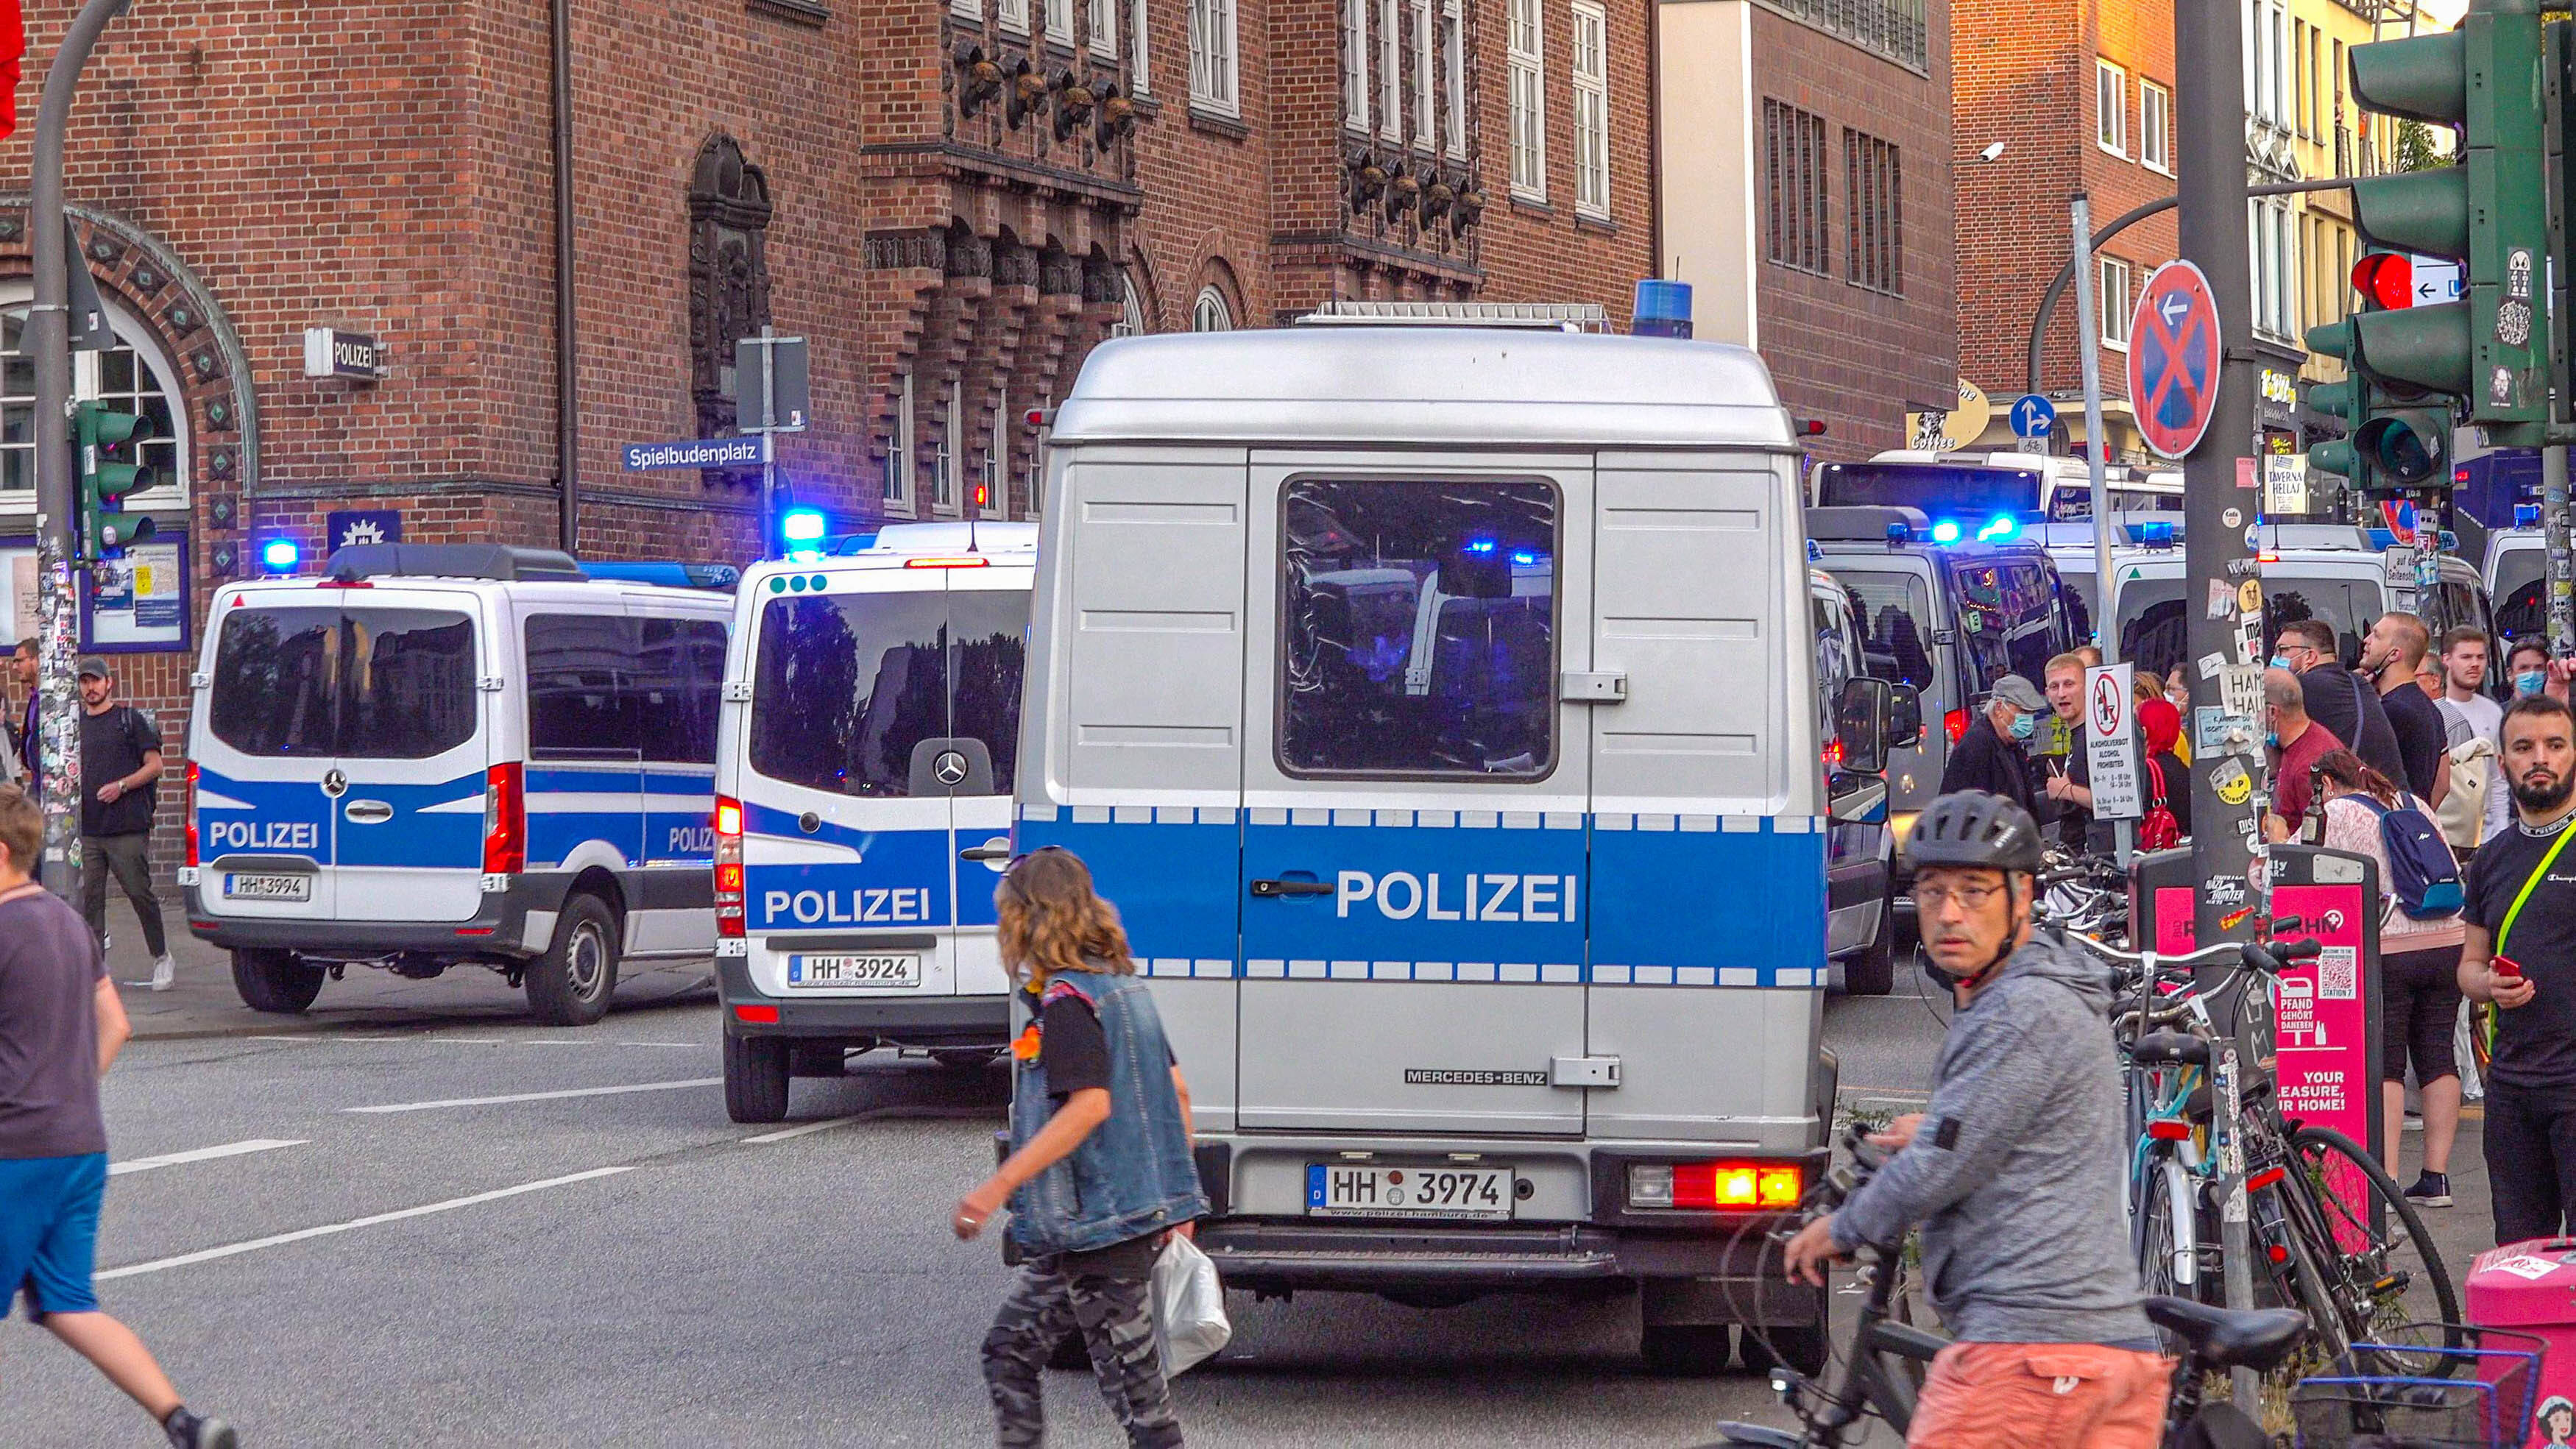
(2386, 279)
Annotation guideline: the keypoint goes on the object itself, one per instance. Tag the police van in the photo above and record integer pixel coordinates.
(863, 810)
(2344, 575)
(1435, 705)
(454, 754)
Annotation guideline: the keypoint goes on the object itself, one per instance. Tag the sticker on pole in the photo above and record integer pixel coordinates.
(2110, 742)
(2173, 359)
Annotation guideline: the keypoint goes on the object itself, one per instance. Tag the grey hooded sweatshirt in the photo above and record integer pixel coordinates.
(2015, 1171)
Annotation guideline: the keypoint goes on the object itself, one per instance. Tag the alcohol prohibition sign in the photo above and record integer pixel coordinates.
(2173, 358)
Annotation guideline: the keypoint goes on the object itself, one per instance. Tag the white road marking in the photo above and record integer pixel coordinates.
(802, 1128)
(200, 1154)
(542, 1096)
(682, 1045)
(207, 1255)
(298, 1040)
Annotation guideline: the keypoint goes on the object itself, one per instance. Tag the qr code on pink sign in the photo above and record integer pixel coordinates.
(2338, 974)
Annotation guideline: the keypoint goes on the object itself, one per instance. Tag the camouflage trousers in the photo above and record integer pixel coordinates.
(1116, 1319)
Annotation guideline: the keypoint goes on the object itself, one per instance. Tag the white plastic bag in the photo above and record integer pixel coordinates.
(1189, 1306)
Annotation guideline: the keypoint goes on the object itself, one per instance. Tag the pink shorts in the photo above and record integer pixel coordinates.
(2043, 1396)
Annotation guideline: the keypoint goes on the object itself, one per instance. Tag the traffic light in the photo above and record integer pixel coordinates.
(2395, 409)
(106, 443)
(2490, 212)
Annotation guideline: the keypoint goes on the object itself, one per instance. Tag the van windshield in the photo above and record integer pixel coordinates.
(1895, 622)
(352, 683)
(2518, 608)
(849, 688)
(2153, 623)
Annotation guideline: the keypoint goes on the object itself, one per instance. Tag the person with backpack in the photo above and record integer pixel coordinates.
(2420, 933)
(2168, 818)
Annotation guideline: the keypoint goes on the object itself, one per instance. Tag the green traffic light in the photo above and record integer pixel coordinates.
(2423, 78)
(2425, 212)
(103, 439)
(2404, 448)
(2335, 456)
(2424, 347)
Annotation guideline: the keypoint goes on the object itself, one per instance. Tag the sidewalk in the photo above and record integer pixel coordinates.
(204, 1004)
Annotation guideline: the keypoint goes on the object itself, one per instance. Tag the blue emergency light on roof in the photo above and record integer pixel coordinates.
(2000, 526)
(803, 526)
(1946, 531)
(1480, 545)
(1525, 558)
(2526, 515)
(280, 555)
(2158, 534)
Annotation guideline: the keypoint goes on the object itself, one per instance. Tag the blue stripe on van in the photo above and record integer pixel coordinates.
(900, 880)
(1662, 900)
(416, 837)
(264, 817)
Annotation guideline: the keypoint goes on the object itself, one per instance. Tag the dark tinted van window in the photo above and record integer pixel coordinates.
(1895, 621)
(580, 687)
(678, 683)
(845, 686)
(988, 645)
(359, 683)
(276, 676)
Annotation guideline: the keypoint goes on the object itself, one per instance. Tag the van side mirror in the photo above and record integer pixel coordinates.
(2348, 648)
(1905, 718)
(1861, 719)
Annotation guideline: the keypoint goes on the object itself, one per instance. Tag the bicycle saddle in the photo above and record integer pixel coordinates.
(2256, 1338)
(2170, 1048)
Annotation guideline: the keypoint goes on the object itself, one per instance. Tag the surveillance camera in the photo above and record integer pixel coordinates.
(1991, 152)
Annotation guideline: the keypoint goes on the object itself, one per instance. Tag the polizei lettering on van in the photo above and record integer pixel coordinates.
(899, 906)
(1400, 895)
(301, 835)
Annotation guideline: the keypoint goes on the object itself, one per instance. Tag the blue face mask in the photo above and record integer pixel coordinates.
(2530, 681)
(2280, 663)
(2024, 726)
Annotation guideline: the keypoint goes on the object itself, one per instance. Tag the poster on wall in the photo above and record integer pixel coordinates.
(138, 603)
(24, 619)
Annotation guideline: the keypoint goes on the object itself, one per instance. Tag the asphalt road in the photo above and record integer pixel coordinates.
(388, 1256)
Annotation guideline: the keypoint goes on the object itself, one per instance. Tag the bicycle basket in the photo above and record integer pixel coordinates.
(2457, 1386)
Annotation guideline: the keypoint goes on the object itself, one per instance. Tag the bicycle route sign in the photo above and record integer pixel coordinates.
(2174, 358)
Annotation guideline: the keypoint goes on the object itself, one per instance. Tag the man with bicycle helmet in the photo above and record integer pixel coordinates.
(2013, 1170)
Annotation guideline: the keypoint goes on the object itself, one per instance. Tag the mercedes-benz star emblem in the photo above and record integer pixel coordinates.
(335, 783)
(950, 767)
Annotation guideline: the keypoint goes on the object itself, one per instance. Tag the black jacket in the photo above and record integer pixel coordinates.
(1984, 760)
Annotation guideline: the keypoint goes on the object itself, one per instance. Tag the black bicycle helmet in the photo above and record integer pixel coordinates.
(1975, 829)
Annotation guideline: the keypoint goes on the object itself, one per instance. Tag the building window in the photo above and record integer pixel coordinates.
(1104, 29)
(1014, 14)
(1426, 114)
(1139, 27)
(971, 9)
(949, 462)
(1525, 47)
(1210, 312)
(130, 377)
(1453, 60)
(997, 464)
(1895, 29)
(728, 275)
(899, 450)
(2155, 126)
(1390, 73)
(1794, 183)
(2275, 245)
(2112, 302)
(1874, 213)
(1355, 64)
(1212, 78)
(2298, 117)
(1591, 109)
(2111, 107)
(1059, 21)
(1131, 316)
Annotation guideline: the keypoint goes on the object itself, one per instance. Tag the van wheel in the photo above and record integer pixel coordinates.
(1873, 971)
(1803, 1347)
(1688, 1350)
(275, 981)
(755, 1076)
(571, 983)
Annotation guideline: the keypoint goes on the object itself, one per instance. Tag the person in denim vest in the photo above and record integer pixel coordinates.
(1100, 1172)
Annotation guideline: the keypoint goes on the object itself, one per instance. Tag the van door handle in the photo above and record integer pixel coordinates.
(1575, 687)
(1269, 888)
(985, 852)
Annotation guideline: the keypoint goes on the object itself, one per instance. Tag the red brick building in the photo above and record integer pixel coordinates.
(954, 200)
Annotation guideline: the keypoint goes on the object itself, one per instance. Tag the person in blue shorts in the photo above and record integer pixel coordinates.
(60, 1027)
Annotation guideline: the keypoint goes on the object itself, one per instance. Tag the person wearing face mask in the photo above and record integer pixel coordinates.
(2298, 742)
(1990, 756)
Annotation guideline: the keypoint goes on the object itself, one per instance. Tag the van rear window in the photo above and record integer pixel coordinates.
(352, 683)
(849, 688)
(1419, 628)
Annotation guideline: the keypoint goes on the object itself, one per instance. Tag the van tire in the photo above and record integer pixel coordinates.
(1688, 1350)
(755, 1078)
(1873, 971)
(270, 980)
(571, 983)
(814, 1061)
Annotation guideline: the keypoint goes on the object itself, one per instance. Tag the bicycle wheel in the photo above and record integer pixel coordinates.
(2168, 1232)
(2388, 1280)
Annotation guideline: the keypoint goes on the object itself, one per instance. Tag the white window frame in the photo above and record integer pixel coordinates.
(1213, 57)
(1591, 88)
(133, 333)
(1355, 64)
(997, 462)
(1210, 312)
(2110, 107)
(2155, 127)
(1525, 57)
(1390, 70)
(1013, 15)
(1059, 21)
(1140, 25)
(1426, 98)
(971, 9)
(2112, 301)
(1104, 29)
(1453, 42)
(900, 453)
(1131, 311)
(948, 466)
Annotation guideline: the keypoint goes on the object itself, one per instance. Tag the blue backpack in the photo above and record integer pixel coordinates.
(2422, 873)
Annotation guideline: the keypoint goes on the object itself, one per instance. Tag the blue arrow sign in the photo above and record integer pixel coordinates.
(698, 453)
(2032, 416)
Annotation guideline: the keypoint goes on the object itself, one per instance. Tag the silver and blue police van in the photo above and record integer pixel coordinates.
(1438, 707)
(454, 754)
(863, 810)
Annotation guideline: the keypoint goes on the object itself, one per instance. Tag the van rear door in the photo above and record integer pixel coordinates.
(263, 746)
(988, 631)
(411, 757)
(1414, 790)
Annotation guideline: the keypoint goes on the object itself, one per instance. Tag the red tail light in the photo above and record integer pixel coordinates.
(1833, 754)
(505, 820)
(756, 1015)
(191, 809)
(2265, 1178)
(2169, 1131)
(1955, 725)
(728, 867)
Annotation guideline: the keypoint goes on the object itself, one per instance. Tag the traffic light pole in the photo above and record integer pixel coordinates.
(2558, 592)
(49, 344)
(2217, 562)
